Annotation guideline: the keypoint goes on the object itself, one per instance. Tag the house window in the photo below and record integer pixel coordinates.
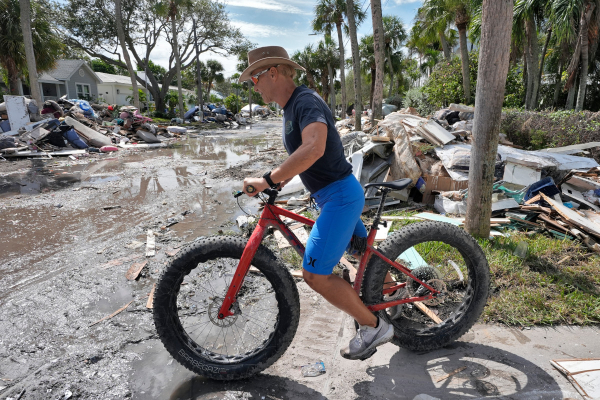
(83, 91)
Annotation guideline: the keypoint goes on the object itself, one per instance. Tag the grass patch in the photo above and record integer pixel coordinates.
(538, 290)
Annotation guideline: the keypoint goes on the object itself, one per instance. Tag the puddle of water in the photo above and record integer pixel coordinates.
(50, 175)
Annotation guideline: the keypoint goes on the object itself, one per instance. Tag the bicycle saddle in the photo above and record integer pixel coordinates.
(398, 184)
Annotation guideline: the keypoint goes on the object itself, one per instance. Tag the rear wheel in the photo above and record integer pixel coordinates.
(448, 259)
(189, 295)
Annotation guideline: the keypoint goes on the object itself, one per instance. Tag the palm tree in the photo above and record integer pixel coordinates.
(434, 21)
(121, 36)
(355, 64)
(29, 54)
(46, 44)
(212, 73)
(306, 58)
(394, 36)
(563, 14)
(379, 50)
(528, 15)
(327, 14)
(171, 9)
(367, 57)
(328, 55)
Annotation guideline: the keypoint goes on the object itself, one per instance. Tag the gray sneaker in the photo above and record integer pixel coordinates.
(364, 344)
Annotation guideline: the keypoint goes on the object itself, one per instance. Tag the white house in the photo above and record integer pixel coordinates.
(114, 89)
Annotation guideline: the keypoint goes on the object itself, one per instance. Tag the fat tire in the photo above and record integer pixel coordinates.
(169, 327)
(477, 265)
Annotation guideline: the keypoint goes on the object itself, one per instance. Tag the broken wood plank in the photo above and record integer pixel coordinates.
(533, 199)
(150, 244)
(456, 371)
(380, 139)
(150, 302)
(537, 207)
(297, 273)
(573, 217)
(425, 310)
(135, 270)
(562, 260)
(111, 315)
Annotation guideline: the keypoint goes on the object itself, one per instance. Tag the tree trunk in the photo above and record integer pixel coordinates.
(355, 65)
(532, 68)
(372, 95)
(464, 56)
(379, 48)
(494, 55)
(121, 36)
(558, 83)
(199, 74)
(572, 91)
(584, 57)
(29, 54)
(311, 81)
(331, 89)
(389, 51)
(342, 69)
(13, 77)
(541, 72)
(445, 46)
(250, 102)
(177, 64)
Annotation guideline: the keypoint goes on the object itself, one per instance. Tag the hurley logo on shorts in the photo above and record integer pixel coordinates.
(312, 262)
(289, 127)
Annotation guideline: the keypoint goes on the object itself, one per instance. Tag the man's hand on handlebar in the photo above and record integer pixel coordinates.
(259, 184)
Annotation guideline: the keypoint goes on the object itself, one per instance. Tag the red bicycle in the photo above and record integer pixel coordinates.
(223, 319)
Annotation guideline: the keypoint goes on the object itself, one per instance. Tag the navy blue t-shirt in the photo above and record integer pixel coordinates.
(303, 108)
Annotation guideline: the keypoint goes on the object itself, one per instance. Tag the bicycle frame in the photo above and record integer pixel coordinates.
(270, 218)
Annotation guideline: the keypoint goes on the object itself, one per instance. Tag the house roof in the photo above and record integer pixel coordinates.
(66, 68)
(110, 78)
(126, 80)
(46, 78)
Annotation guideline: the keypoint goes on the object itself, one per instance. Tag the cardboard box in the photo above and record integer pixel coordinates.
(440, 184)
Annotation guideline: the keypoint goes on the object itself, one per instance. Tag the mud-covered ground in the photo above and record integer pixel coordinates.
(70, 230)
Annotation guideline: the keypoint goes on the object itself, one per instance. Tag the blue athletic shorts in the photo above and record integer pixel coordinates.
(341, 205)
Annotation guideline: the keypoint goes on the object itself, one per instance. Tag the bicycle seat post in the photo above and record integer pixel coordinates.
(377, 220)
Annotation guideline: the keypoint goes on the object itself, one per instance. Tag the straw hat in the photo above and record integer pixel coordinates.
(265, 57)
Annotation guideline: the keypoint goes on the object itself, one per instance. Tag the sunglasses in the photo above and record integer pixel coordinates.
(254, 78)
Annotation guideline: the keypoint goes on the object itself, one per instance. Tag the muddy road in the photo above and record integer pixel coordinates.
(70, 231)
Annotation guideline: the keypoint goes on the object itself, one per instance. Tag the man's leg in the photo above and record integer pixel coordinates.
(337, 291)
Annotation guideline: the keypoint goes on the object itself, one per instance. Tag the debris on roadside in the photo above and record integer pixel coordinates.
(551, 190)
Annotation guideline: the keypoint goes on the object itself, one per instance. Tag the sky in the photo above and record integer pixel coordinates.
(287, 23)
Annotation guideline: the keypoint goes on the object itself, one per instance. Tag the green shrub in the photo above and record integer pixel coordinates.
(417, 99)
(395, 100)
(445, 84)
(514, 92)
(233, 103)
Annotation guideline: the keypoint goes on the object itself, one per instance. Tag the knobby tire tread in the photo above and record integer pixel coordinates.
(167, 323)
(400, 241)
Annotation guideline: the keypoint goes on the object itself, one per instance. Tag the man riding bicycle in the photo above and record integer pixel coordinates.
(317, 155)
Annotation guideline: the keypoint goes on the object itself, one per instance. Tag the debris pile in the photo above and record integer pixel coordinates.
(436, 153)
(72, 127)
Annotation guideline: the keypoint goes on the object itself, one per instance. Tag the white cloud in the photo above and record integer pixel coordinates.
(400, 2)
(251, 30)
(272, 5)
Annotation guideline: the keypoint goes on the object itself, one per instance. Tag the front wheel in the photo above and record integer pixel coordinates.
(187, 301)
(448, 259)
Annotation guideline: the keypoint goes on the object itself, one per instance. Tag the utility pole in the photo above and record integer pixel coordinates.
(199, 71)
